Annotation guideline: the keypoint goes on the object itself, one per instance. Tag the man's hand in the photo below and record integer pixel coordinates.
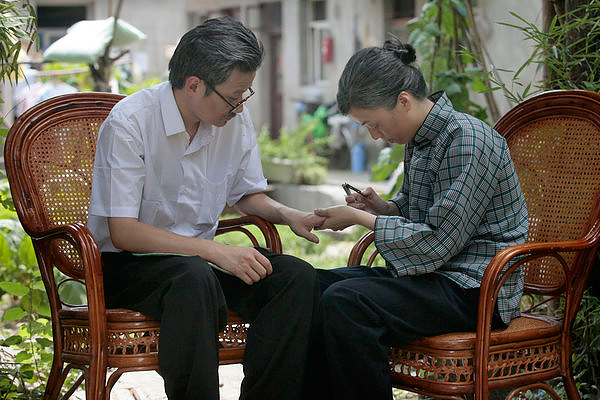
(370, 202)
(262, 205)
(246, 263)
(302, 223)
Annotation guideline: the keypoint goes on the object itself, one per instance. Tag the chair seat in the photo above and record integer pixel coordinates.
(529, 346)
(131, 334)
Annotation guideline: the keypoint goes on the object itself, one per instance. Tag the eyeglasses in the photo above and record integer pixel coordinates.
(239, 103)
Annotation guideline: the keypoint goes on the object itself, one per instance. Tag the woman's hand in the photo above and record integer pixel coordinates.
(341, 217)
(370, 202)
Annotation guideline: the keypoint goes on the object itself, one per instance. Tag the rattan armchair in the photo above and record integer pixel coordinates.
(554, 139)
(49, 157)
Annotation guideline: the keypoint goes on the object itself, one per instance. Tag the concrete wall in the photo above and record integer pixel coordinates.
(507, 46)
(351, 23)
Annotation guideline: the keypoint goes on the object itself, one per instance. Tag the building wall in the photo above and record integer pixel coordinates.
(507, 46)
(352, 24)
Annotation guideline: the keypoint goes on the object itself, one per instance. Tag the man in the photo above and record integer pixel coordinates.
(168, 160)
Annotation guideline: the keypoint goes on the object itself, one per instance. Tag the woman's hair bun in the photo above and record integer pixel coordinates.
(404, 51)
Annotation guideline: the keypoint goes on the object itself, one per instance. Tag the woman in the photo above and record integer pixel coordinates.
(460, 203)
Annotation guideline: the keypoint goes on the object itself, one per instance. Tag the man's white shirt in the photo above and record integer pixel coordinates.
(147, 168)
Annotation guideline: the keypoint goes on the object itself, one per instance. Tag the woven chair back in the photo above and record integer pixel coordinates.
(53, 154)
(555, 145)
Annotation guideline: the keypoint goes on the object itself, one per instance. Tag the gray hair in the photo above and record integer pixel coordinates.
(212, 50)
(374, 76)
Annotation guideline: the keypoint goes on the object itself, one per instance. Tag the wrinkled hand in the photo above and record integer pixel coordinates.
(369, 201)
(337, 217)
(246, 263)
(302, 223)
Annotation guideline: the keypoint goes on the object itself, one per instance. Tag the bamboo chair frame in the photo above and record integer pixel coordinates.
(49, 157)
(554, 139)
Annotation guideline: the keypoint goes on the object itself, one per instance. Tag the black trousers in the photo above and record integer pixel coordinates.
(191, 299)
(365, 310)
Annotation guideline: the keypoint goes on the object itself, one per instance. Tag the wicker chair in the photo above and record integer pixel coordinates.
(49, 156)
(554, 140)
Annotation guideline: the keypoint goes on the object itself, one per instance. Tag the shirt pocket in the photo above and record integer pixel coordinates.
(155, 213)
(207, 210)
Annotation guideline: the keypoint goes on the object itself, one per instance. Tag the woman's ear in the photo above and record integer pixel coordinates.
(404, 100)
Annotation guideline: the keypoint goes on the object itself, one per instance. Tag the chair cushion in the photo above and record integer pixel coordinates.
(527, 326)
(112, 315)
(530, 345)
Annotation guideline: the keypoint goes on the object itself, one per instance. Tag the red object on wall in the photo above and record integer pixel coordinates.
(327, 49)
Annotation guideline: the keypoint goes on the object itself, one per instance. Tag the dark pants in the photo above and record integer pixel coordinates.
(365, 310)
(190, 299)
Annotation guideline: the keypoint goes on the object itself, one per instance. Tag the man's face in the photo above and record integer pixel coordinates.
(216, 108)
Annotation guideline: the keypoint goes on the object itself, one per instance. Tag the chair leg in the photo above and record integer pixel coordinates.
(570, 387)
(95, 383)
(55, 379)
(539, 385)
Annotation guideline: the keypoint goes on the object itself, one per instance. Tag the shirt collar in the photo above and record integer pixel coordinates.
(436, 120)
(171, 116)
(173, 122)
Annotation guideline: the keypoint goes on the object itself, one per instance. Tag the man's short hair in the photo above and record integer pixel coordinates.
(212, 50)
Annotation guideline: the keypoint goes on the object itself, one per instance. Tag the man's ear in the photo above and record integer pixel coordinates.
(194, 85)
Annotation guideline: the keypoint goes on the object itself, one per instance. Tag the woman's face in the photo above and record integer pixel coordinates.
(397, 125)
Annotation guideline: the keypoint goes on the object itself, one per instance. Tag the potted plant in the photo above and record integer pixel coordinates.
(292, 157)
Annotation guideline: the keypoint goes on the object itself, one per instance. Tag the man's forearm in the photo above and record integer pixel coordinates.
(134, 236)
(262, 205)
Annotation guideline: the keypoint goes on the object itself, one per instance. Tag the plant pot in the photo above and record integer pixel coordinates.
(281, 170)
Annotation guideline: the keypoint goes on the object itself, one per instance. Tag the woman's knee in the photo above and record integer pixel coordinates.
(337, 297)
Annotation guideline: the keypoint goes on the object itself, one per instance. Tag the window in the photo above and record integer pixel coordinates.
(317, 29)
(398, 14)
(54, 21)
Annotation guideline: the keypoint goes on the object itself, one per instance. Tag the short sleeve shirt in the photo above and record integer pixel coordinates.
(460, 203)
(147, 168)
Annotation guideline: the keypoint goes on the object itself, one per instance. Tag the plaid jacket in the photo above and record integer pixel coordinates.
(460, 203)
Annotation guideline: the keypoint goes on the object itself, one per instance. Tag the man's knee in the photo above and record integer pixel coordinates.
(192, 276)
(294, 270)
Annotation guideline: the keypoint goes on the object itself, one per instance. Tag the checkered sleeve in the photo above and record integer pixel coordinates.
(457, 194)
(401, 199)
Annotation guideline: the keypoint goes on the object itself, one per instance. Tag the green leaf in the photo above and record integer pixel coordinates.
(47, 357)
(13, 314)
(478, 86)
(39, 285)
(12, 340)
(23, 356)
(5, 252)
(44, 309)
(26, 253)
(433, 29)
(44, 342)
(14, 288)
(459, 6)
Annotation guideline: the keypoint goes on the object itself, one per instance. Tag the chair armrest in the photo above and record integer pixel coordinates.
(359, 249)
(80, 237)
(268, 230)
(494, 277)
